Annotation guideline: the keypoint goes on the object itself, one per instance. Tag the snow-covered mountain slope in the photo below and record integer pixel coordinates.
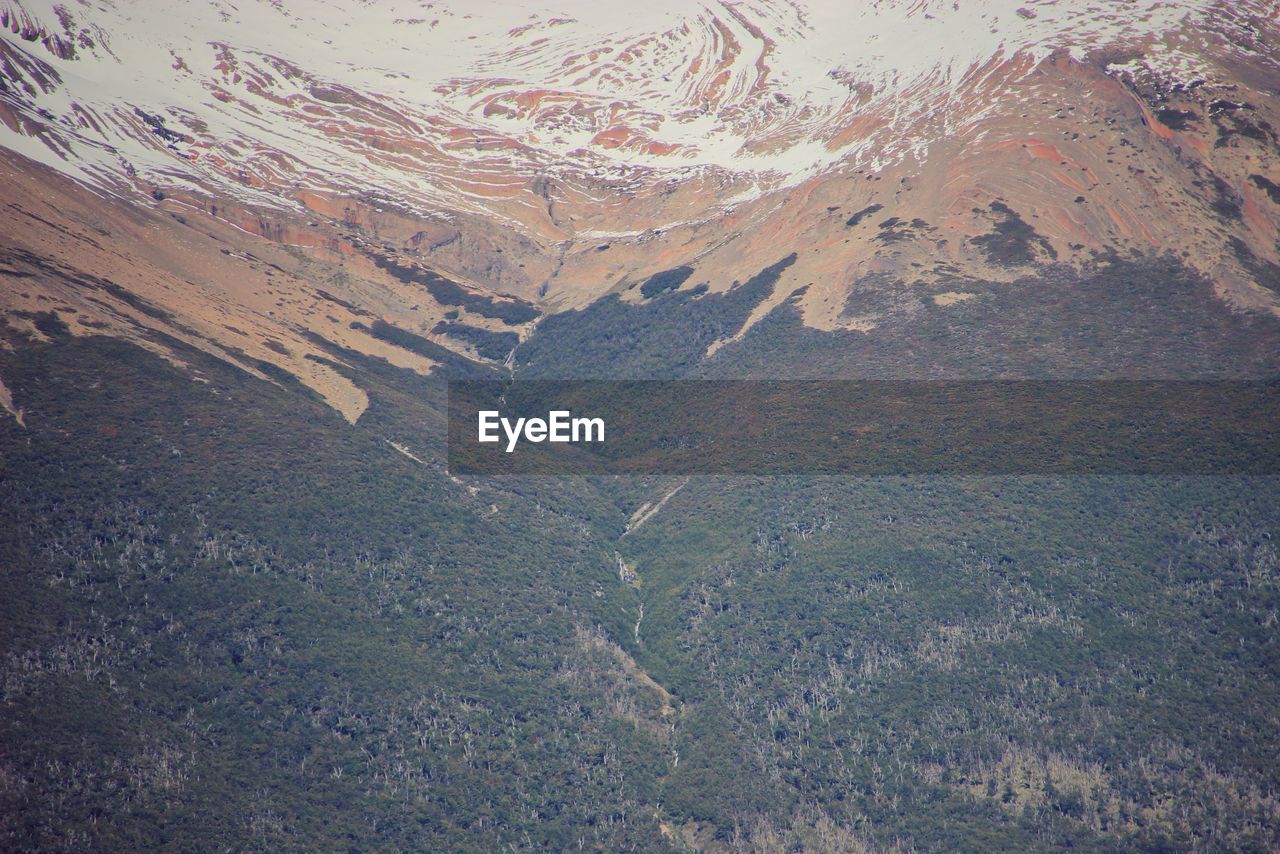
(459, 107)
(558, 151)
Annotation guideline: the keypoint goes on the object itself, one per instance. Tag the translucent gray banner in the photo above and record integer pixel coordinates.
(864, 427)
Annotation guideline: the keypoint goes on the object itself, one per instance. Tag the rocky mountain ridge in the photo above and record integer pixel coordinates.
(253, 179)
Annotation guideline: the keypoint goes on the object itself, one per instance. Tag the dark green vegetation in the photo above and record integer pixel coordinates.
(1264, 272)
(1239, 120)
(1176, 119)
(664, 338)
(894, 230)
(1149, 319)
(489, 344)
(448, 292)
(1272, 189)
(1014, 241)
(402, 338)
(862, 214)
(667, 280)
(230, 620)
(1123, 319)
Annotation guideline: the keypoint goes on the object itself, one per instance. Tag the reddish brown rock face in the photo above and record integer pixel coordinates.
(257, 189)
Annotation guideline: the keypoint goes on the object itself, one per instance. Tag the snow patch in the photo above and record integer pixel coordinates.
(447, 105)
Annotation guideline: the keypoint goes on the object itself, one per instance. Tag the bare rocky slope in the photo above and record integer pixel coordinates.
(255, 179)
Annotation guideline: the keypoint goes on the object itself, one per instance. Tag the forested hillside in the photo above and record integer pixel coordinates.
(233, 620)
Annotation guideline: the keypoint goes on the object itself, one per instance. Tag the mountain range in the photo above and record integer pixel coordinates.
(244, 246)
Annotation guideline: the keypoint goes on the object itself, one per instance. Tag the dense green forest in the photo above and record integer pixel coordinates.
(230, 620)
